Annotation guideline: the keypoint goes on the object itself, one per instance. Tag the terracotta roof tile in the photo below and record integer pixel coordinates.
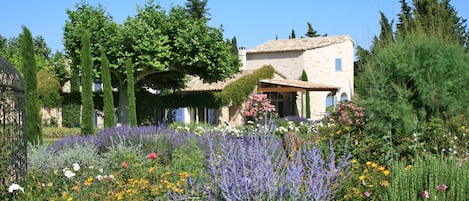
(299, 44)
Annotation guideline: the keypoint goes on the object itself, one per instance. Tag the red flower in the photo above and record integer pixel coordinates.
(152, 156)
(441, 187)
(125, 165)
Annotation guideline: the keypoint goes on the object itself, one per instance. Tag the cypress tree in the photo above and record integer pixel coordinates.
(234, 46)
(132, 110)
(107, 90)
(33, 114)
(304, 77)
(293, 35)
(87, 115)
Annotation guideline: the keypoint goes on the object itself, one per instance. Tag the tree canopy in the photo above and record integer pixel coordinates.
(163, 46)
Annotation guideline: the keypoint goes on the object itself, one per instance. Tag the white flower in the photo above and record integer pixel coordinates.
(69, 174)
(99, 177)
(15, 187)
(76, 167)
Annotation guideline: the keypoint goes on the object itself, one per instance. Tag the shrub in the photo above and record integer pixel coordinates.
(257, 107)
(439, 177)
(255, 168)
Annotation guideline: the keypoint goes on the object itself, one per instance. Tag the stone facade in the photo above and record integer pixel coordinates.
(318, 56)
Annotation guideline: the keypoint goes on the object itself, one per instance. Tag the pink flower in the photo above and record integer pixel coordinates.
(152, 156)
(367, 194)
(425, 194)
(125, 165)
(442, 187)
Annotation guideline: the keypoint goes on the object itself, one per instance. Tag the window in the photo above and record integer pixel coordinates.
(329, 104)
(343, 97)
(329, 100)
(338, 64)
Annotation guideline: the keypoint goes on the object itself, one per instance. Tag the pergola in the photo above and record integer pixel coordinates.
(288, 85)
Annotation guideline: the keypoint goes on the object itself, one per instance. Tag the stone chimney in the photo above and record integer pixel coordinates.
(242, 53)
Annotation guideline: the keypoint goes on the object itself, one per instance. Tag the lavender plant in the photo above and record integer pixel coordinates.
(255, 168)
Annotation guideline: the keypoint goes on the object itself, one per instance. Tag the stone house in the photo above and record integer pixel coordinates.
(328, 62)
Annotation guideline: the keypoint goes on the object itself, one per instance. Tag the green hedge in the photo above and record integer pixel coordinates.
(234, 93)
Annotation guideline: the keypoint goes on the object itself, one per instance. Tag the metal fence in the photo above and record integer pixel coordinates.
(13, 143)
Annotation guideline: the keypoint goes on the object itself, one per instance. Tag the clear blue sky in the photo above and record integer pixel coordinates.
(252, 22)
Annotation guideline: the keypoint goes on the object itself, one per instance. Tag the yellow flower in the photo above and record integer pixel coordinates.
(365, 171)
(354, 161)
(89, 181)
(362, 177)
(70, 199)
(408, 167)
(374, 165)
(385, 183)
(368, 163)
(64, 194)
(381, 168)
(386, 172)
(75, 188)
(152, 169)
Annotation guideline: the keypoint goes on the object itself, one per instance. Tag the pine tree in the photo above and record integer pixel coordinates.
(132, 110)
(107, 90)
(304, 77)
(198, 9)
(311, 32)
(87, 115)
(33, 114)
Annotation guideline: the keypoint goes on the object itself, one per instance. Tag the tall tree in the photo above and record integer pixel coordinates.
(411, 83)
(131, 109)
(304, 77)
(163, 47)
(432, 17)
(109, 120)
(87, 114)
(198, 9)
(96, 21)
(292, 35)
(311, 32)
(234, 46)
(33, 115)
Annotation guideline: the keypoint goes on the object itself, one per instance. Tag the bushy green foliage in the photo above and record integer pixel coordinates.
(33, 116)
(410, 83)
(238, 91)
(189, 158)
(87, 114)
(49, 89)
(71, 115)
